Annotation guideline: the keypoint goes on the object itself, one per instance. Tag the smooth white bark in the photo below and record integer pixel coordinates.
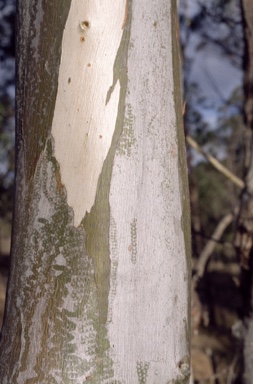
(148, 293)
(85, 113)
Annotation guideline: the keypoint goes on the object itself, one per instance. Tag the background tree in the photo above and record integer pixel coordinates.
(213, 118)
(99, 283)
(244, 234)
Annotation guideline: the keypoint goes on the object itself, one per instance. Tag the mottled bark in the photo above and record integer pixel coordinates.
(99, 284)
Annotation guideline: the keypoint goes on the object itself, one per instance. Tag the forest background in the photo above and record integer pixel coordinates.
(217, 114)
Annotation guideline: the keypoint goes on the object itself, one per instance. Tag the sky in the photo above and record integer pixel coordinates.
(215, 75)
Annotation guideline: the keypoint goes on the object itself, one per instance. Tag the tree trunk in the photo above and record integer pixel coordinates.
(99, 284)
(244, 235)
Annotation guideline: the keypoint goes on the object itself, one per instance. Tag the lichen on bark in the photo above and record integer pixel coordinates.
(61, 337)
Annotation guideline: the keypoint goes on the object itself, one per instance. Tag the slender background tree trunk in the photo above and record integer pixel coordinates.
(244, 235)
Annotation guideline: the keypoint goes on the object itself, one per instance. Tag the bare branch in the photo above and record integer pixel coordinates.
(210, 246)
(215, 163)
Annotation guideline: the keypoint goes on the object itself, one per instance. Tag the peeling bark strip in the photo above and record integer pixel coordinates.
(82, 132)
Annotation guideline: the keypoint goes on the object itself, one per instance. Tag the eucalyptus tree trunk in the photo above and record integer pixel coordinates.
(99, 284)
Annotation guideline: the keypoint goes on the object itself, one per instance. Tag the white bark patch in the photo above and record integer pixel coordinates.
(85, 116)
(148, 298)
